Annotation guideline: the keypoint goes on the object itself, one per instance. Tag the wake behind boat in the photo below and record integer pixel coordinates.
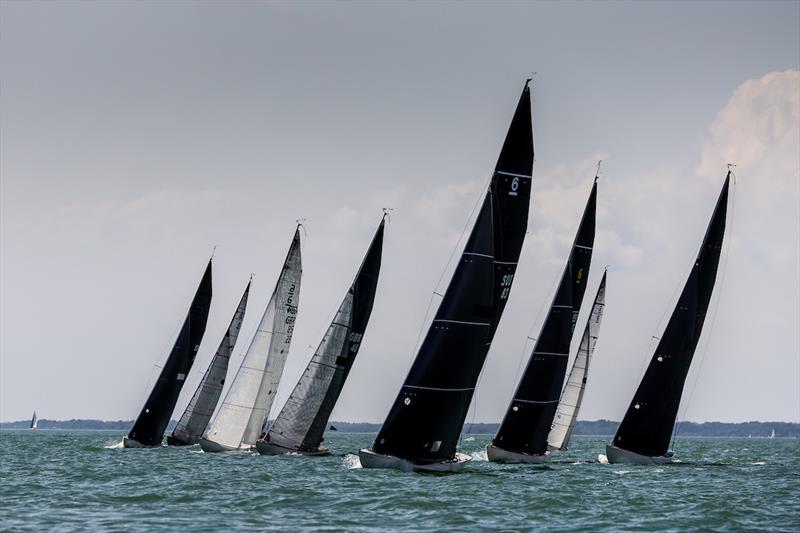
(421, 431)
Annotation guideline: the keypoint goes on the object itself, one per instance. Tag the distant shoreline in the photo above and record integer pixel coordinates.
(583, 427)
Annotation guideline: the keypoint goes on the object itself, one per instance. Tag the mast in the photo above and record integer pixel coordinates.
(301, 423)
(426, 418)
(149, 427)
(195, 418)
(528, 419)
(244, 410)
(572, 396)
(647, 426)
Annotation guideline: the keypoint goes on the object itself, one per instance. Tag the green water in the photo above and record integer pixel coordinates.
(71, 480)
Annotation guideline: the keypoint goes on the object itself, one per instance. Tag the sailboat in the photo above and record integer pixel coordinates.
(34, 421)
(572, 395)
(195, 418)
(771, 435)
(643, 437)
(522, 436)
(148, 429)
(422, 428)
(300, 425)
(241, 416)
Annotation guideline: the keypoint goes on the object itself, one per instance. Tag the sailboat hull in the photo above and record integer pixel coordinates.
(128, 442)
(370, 459)
(268, 448)
(209, 446)
(175, 441)
(499, 455)
(618, 455)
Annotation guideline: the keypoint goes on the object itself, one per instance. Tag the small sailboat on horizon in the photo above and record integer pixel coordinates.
(644, 435)
(149, 427)
(301, 423)
(34, 421)
(240, 418)
(421, 430)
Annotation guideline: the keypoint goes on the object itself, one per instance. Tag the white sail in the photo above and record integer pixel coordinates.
(572, 395)
(34, 421)
(240, 418)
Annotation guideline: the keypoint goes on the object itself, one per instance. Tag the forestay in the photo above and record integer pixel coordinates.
(302, 421)
(195, 418)
(244, 410)
(572, 395)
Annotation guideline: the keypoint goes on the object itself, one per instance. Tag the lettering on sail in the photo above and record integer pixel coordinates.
(291, 314)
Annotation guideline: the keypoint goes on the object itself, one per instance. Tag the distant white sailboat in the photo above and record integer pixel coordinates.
(772, 435)
(35, 421)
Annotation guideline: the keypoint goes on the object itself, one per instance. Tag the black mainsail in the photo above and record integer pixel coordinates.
(300, 425)
(647, 426)
(426, 418)
(148, 430)
(195, 418)
(528, 419)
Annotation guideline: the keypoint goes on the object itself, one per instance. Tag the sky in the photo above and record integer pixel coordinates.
(135, 137)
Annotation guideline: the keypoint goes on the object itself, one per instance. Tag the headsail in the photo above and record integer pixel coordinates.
(302, 421)
(572, 395)
(647, 426)
(195, 418)
(244, 410)
(426, 418)
(148, 430)
(528, 419)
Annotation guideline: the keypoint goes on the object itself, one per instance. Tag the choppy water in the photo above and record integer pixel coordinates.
(66, 480)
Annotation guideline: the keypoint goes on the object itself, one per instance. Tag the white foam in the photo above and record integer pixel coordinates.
(622, 472)
(351, 461)
(602, 459)
(759, 463)
(479, 455)
(469, 439)
(114, 445)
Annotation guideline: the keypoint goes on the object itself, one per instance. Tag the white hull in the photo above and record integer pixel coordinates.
(370, 459)
(209, 446)
(618, 455)
(267, 448)
(499, 455)
(130, 443)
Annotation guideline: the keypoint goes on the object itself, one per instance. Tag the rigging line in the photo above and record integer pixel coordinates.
(434, 293)
(713, 316)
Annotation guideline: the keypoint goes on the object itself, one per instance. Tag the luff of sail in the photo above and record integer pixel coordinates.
(195, 418)
(529, 416)
(241, 416)
(426, 418)
(572, 395)
(149, 427)
(646, 429)
(301, 423)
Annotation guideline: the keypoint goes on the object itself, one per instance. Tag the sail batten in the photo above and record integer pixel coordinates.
(572, 395)
(150, 425)
(427, 416)
(241, 416)
(301, 423)
(530, 414)
(647, 426)
(198, 412)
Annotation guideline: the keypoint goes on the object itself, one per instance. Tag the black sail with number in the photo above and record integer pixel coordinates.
(148, 430)
(647, 427)
(302, 421)
(527, 422)
(426, 418)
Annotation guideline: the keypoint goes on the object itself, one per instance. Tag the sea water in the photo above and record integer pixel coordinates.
(81, 480)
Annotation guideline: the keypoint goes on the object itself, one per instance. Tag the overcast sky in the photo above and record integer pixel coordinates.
(136, 136)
